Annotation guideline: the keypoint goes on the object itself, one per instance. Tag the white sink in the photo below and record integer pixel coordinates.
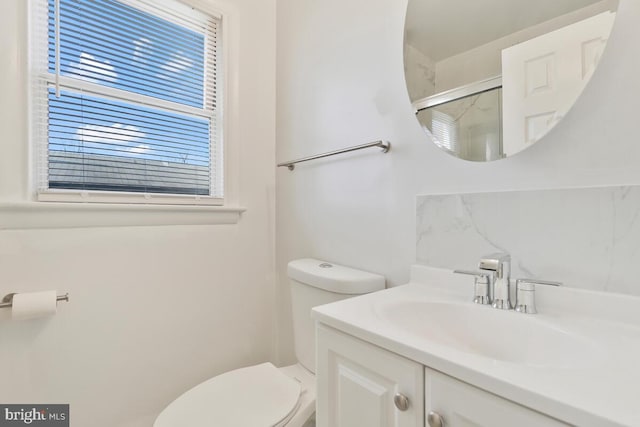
(501, 335)
(577, 358)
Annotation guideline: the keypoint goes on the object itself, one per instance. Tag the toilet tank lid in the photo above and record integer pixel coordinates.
(333, 277)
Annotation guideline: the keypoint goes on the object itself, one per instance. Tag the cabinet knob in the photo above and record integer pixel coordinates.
(435, 419)
(401, 401)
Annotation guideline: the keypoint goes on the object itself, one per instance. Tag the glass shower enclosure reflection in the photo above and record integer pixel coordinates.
(466, 122)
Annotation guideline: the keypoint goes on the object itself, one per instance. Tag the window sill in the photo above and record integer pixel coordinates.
(35, 215)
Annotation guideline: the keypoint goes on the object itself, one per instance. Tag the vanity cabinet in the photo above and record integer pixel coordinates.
(462, 405)
(360, 384)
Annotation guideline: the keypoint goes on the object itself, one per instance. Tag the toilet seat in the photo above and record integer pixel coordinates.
(260, 396)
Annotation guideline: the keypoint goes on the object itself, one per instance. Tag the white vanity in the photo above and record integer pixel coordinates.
(424, 354)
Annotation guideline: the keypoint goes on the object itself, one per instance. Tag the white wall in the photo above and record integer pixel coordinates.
(340, 83)
(153, 310)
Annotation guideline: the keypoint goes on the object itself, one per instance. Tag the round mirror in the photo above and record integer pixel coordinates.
(488, 78)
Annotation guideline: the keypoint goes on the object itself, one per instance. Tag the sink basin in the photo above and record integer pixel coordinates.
(504, 336)
(576, 360)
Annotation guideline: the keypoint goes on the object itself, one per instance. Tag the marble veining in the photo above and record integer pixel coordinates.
(587, 238)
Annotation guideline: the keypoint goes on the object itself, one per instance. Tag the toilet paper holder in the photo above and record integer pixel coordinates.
(7, 301)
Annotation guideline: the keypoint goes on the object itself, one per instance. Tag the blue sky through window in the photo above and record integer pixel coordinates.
(86, 124)
(136, 51)
(115, 45)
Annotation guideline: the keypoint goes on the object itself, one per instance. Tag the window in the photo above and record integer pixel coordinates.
(126, 102)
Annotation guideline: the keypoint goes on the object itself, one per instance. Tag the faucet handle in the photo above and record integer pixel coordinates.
(481, 285)
(526, 294)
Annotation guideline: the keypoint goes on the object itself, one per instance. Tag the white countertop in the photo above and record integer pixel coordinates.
(599, 389)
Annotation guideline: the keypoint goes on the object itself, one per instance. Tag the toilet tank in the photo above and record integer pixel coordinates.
(313, 283)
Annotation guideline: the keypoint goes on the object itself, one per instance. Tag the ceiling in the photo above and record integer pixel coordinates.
(442, 28)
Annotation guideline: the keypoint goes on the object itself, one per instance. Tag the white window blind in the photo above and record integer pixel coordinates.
(126, 101)
(444, 129)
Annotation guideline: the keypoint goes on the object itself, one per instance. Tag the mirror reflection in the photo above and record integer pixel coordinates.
(489, 78)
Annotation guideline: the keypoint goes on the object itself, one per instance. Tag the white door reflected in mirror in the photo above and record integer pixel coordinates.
(489, 78)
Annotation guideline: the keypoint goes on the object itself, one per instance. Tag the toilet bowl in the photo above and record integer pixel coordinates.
(260, 395)
(263, 395)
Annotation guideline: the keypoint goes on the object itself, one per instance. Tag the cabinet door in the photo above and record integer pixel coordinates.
(357, 384)
(462, 405)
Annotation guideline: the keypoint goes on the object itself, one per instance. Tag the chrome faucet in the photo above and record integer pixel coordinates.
(492, 285)
(500, 265)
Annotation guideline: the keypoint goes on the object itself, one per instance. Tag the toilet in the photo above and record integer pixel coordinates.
(263, 395)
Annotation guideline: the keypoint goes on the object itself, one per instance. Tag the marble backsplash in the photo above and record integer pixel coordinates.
(587, 238)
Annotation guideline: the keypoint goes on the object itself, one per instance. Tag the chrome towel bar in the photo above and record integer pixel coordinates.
(7, 301)
(385, 145)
